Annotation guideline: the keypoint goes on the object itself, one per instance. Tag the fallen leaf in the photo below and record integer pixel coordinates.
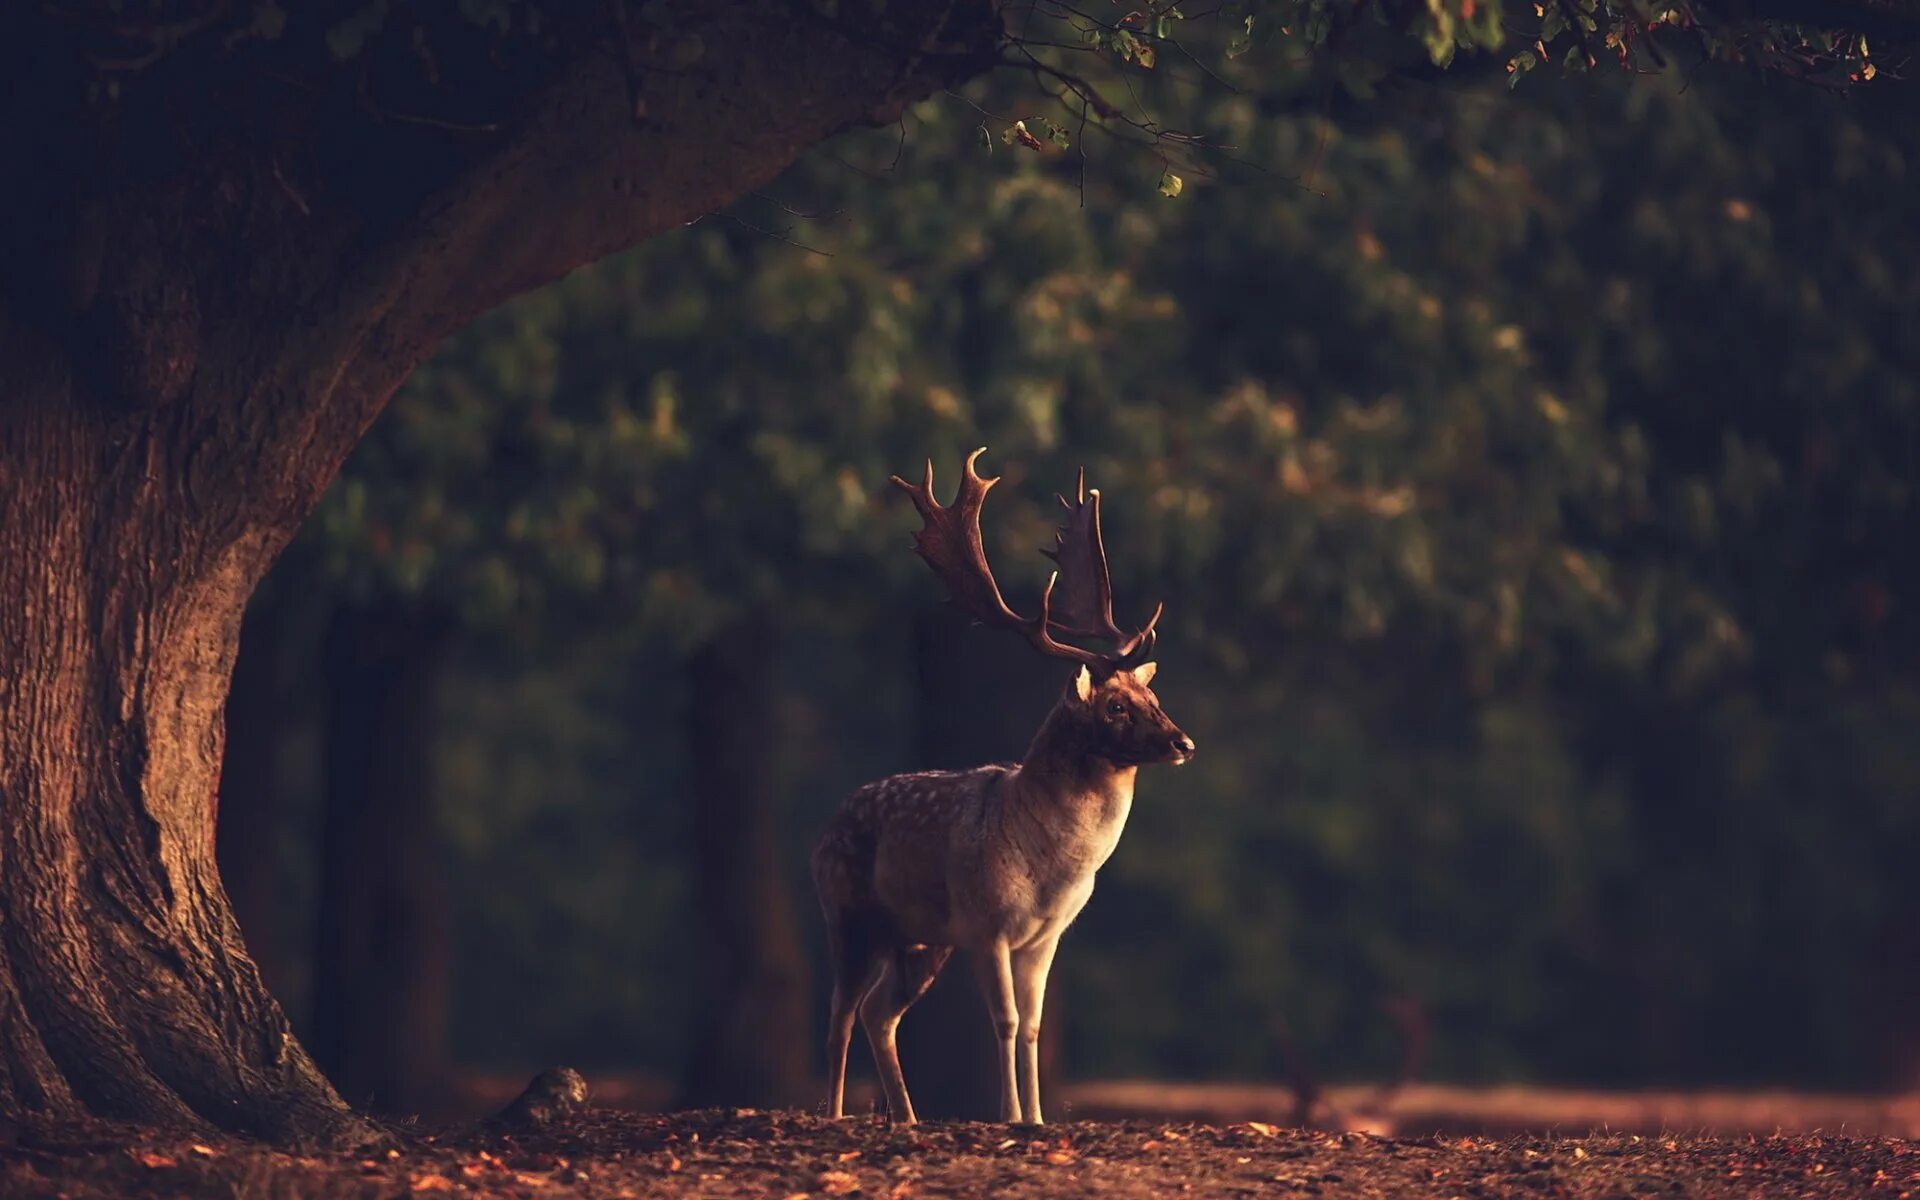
(837, 1183)
(1061, 1158)
(1151, 1144)
(1262, 1128)
(849, 1156)
(203, 1151)
(154, 1162)
(430, 1182)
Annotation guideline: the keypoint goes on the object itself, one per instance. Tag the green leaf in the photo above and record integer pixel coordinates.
(1171, 184)
(1553, 24)
(1519, 65)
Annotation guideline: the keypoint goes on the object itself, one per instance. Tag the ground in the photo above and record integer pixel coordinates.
(790, 1155)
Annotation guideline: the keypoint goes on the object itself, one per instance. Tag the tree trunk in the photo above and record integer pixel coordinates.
(753, 1045)
(125, 988)
(383, 955)
(209, 286)
(981, 698)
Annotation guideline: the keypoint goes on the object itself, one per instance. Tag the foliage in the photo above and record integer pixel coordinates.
(1527, 478)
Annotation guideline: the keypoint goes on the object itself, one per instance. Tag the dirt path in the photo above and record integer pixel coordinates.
(790, 1155)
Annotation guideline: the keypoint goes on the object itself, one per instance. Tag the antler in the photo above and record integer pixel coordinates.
(1085, 604)
(951, 544)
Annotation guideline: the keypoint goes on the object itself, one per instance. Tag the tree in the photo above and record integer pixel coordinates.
(235, 232)
(219, 271)
(384, 943)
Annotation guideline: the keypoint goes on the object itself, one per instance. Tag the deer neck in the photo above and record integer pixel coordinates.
(1062, 778)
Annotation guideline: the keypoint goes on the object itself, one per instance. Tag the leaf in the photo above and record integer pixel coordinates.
(1262, 1128)
(1170, 184)
(154, 1161)
(837, 1183)
(1241, 41)
(432, 1181)
(1519, 65)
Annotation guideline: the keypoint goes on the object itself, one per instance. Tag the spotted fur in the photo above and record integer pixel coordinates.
(997, 861)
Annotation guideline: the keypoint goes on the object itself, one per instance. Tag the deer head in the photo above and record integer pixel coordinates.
(1115, 708)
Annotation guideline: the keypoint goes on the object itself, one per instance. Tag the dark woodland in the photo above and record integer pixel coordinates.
(449, 581)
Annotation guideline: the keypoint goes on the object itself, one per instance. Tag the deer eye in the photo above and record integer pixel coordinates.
(1116, 709)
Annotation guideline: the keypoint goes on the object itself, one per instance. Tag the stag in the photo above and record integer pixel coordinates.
(1000, 859)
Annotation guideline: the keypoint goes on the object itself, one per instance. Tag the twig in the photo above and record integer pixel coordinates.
(776, 235)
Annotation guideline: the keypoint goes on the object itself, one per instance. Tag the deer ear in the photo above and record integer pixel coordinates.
(1083, 685)
(1145, 672)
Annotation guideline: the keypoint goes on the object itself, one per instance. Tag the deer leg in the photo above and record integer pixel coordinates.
(909, 973)
(994, 970)
(856, 971)
(1030, 968)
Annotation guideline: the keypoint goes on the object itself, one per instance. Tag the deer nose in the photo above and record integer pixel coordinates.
(1183, 744)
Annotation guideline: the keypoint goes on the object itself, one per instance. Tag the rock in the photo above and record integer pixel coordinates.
(553, 1095)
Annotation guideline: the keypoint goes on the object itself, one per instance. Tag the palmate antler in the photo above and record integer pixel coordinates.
(950, 542)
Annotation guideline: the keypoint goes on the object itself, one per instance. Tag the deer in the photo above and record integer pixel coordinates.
(997, 860)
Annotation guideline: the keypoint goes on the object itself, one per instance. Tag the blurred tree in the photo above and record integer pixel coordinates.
(753, 1041)
(382, 949)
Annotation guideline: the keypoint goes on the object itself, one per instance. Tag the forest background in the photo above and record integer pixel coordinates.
(1529, 479)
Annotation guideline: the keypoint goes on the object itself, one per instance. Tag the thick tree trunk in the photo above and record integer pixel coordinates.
(981, 698)
(752, 1046)
(383, 956)
(209, 286)
(125, 988)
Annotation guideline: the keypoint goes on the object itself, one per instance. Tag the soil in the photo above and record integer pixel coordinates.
(788, 1155)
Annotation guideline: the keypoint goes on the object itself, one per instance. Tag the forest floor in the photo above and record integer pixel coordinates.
(789, 1155)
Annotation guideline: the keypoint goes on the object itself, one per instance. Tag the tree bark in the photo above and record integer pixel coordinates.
(980, 699)
(383, 956)
(126, 990)
(213, 275)
(752, 1046)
